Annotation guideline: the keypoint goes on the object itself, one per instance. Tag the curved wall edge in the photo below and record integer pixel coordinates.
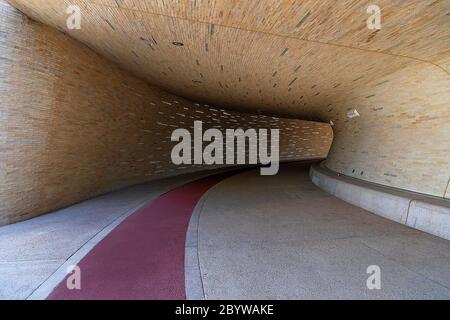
(428, 214)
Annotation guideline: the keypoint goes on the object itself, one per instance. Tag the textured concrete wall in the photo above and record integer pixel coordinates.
(402, 136)
(73, 125)
(308, 59)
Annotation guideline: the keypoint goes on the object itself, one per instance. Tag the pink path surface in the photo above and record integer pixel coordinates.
(143, 257)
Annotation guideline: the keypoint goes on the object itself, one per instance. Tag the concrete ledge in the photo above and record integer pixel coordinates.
(418, 211)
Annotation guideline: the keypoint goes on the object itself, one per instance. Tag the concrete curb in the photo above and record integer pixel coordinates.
(193, 278)
(44, 290)
(428, 214)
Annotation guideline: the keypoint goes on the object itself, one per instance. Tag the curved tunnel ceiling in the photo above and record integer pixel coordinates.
(294, 58)
(307, 59)
(313, 60)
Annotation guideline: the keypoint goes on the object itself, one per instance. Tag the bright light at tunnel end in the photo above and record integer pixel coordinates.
(234, 148)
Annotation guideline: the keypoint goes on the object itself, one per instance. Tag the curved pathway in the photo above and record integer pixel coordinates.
(281, 237)
(35, 254)
(143, 257)
(248, 237)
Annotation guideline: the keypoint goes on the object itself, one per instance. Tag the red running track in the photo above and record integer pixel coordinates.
(143, 257)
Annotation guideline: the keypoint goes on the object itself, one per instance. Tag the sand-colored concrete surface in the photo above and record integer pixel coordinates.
(281, 237)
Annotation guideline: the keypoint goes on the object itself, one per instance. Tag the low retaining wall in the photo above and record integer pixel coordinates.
(424, 213)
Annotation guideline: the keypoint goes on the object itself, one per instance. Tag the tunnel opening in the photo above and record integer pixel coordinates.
(135, 117)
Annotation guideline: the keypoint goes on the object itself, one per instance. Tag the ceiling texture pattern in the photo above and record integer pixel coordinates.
(284, 57)
(314, 60)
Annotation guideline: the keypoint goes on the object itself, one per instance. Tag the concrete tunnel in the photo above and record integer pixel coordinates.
(87, 178)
